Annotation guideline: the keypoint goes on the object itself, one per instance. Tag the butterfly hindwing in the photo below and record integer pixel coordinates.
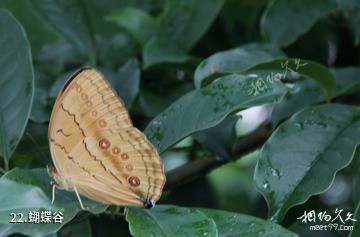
(95, 147)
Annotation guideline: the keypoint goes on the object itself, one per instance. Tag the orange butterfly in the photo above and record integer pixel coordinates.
(96, 150)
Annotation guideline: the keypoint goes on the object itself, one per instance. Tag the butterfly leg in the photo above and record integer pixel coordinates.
(54, 187)
(53, 194)
(78, 196)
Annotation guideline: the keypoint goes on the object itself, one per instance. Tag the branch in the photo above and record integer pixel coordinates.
(200, 167)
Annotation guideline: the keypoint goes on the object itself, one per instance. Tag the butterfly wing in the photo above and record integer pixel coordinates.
(95, 147)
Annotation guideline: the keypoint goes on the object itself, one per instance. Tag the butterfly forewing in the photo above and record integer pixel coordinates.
(95, 147)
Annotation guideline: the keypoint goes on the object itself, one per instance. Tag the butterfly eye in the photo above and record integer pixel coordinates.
(134, 181)
(149, 203)
(104, 144)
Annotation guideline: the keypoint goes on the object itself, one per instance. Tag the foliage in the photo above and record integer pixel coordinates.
(188, 71)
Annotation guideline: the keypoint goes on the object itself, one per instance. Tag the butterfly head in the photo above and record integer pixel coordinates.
(55, 177)
(149, 203)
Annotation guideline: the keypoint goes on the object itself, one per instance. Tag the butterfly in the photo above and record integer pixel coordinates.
(96, 150)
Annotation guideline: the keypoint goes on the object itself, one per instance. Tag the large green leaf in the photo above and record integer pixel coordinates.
(308, 92)
(347, 80)
(283, 33)
(231, 224)
(37, 30)
(356, 228)
(163, 50)
(41, 107)
(114, 45)
(16, 83)
(302, 156)
(125, 81)
(30, 190)
(186, 21)
(81, 229)
(219, 139)
(208, 106)
(146, 5)
(128, 81)
(71, 19)
(117, 49)
(151, 104)
(235, 60)
(166, 220)
(137, 22)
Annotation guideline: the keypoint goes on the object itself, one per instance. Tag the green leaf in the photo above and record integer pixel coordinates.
(233, 186)
(207, 107)
(59, 53)
(233, 224)
(128, 81)
(307, 93)
(163, 50)
(356, 227)
(302, 156)
(59, 83)
(37, 30)
(41, 107)
(82, 229)
(219, 139)
(283, 33)
(96, 12)
(71, 19)
(137, 22)
(151, 104)
(125, 81)
(299, 67)
(114, 46)
(186, 21)
(117, 50)
(167, 220)
(30, 190)
(235, 60)
(347, 80)
(33, 149)
(146, 5)
(16, 83)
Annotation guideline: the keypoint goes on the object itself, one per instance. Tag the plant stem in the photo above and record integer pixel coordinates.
(200, 167)
(6, 165)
